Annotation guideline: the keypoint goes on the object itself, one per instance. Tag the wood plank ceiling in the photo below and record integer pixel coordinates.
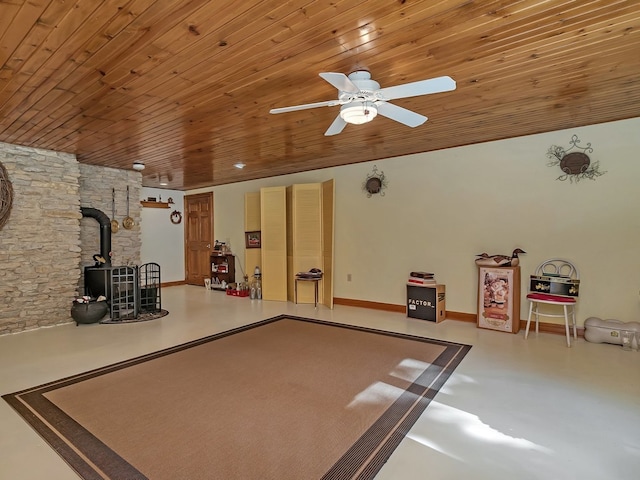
(186, 86)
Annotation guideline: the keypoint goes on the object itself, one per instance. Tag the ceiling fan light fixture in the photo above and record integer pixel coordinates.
(361, 99)
(358, 113)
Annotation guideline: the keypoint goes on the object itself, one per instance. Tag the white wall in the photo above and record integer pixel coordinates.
(442, 208)
(163, 241)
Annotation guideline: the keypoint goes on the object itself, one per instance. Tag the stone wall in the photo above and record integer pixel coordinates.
(96, 191)
(40, 244)
(46, 243)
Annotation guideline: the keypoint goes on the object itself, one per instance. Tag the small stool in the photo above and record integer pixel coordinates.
(315, 281)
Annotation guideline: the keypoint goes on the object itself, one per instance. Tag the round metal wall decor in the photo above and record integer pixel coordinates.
(574, 161)
(375, 183)
(6, 196)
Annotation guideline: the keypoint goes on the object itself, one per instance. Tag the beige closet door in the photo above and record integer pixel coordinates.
(328, 219)
(306, 238)
(273, 216)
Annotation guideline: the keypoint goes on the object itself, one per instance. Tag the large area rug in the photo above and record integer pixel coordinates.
(284, 398)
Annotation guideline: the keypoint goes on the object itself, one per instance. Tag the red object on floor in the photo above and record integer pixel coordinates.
(238, 293)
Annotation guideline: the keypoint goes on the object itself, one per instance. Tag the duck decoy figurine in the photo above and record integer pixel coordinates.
(486, 260)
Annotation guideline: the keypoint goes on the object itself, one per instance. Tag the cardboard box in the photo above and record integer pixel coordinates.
(499, 298)
(426, 302)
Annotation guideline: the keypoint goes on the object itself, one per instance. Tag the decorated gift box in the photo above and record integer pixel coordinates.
(554, 285)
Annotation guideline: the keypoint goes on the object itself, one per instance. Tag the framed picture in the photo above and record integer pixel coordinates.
(499, 298)
(252, 240)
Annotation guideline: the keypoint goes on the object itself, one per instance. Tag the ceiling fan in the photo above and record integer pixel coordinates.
(361, 99)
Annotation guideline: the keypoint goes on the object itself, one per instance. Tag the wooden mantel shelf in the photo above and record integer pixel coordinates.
(144, 203)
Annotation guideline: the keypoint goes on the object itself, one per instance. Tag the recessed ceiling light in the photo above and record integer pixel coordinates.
(239, 165)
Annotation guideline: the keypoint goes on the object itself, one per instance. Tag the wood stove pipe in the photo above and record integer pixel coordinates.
(105, 232)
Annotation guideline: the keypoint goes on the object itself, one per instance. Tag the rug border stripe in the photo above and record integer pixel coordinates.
(370, 461)
(363, 460)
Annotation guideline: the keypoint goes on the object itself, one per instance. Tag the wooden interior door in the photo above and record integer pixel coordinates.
(198, 237)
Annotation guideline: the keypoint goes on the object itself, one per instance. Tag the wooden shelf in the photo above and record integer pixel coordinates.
(228, 276)
(154, 204)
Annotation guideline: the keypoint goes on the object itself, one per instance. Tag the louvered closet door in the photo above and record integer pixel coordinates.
(306, 234)
(273, 213)
(328, 215)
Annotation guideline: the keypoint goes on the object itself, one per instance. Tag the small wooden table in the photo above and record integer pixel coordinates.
(315, 281)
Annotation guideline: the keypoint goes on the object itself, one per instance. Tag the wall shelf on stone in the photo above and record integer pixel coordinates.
(146, 204)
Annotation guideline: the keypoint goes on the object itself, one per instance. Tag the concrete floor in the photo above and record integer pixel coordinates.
(513, 409)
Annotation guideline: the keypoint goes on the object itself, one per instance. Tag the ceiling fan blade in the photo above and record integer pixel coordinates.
(422, 87)
(399, 114)
(328, 103)
(336, 127)
(340, 81)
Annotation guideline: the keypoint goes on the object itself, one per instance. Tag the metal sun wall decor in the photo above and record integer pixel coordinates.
(576, 165)
(375, 183)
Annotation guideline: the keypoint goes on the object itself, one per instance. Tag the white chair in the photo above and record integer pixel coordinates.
(554, 267)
